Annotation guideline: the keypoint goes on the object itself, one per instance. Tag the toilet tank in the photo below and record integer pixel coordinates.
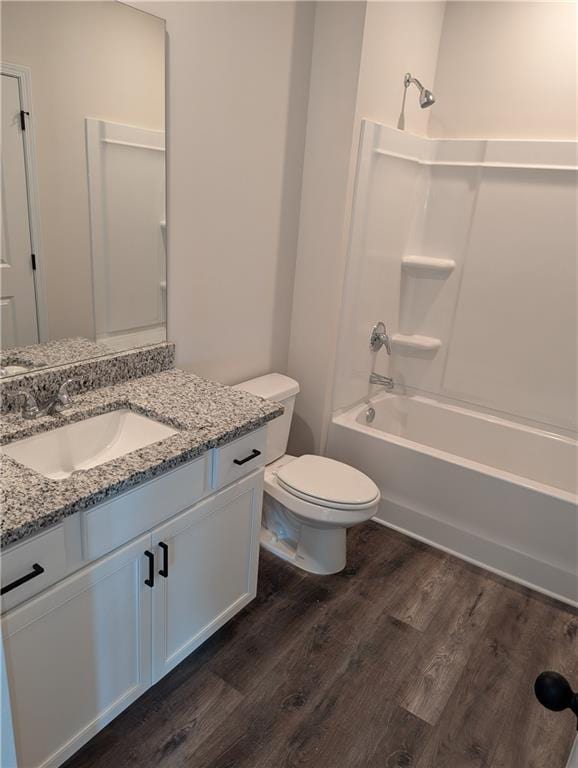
(282, 389)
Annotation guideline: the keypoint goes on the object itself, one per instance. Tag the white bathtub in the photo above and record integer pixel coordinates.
(494, 492)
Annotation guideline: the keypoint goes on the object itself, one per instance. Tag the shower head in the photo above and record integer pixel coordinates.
(426, 98)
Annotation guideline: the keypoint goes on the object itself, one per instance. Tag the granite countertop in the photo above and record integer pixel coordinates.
(206, 413)
(52, 353)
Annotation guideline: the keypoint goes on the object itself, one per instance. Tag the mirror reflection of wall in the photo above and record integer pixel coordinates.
(83, 174)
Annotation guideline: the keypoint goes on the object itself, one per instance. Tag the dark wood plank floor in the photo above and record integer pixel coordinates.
(409, 657)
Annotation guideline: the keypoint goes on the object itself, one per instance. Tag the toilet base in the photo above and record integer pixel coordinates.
(310, 536)
(320, 551)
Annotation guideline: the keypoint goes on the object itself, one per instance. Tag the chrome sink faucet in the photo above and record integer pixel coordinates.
(32, 409)
(383, 381)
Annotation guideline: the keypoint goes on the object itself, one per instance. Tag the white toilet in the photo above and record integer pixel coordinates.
(309, 501)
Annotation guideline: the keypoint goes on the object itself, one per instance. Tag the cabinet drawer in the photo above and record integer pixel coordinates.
(109, 525)
(30, 567)
(239, 458)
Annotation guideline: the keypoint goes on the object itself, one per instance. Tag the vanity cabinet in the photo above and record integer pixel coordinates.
(206, 571)
(77, 655)
(84, 649)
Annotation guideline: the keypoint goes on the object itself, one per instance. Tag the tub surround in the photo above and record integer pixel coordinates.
(88, 374)
(442, 230)
(207, 414)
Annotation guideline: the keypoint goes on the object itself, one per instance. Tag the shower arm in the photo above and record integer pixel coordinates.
(409, 79)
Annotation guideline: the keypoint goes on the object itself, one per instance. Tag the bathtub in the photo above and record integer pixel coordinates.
(494, 492)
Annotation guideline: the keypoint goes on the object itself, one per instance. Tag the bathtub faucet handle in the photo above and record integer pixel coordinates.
(379, 338)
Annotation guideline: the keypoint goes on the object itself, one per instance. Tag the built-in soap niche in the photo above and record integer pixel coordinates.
(423, 279)
(415, 345)
(426, 266)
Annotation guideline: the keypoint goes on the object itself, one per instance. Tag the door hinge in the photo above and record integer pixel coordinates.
(23, 114)
(33, 260)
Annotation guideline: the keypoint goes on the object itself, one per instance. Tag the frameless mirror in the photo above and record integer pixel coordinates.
(83, 269)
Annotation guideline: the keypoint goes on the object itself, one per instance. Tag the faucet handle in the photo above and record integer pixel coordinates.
(387, 343)
(64, 398)
(379, 338)
(30, 408)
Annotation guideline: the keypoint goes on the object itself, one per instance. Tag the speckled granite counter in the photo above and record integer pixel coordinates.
(206, 413)
(87, 375)
(50, 353)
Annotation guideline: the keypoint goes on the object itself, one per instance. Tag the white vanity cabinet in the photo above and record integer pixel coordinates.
(77, 655)
(206, 571)
(82, 650)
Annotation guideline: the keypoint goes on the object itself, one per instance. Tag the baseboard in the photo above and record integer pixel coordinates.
(490, 555)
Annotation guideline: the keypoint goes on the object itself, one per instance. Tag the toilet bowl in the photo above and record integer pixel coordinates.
(309, 501)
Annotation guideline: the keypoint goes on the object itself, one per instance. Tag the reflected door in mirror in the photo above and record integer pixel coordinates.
(17, 295)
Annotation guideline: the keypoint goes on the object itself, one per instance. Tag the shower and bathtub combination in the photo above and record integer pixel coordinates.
(466, 249)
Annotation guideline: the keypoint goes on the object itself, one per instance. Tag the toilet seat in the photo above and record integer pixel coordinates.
(328, 483)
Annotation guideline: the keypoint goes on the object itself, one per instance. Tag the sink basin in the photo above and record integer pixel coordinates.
(59, 453)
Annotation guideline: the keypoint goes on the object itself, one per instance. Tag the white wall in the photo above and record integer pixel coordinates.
(398, 38)
(324, 204)
(507, 70)
(238, 77)
(95, 59)
(360, 55)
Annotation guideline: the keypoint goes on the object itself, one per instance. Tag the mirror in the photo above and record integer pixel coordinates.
(83, 268)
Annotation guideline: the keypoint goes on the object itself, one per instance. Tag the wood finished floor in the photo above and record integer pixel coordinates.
(409, 657)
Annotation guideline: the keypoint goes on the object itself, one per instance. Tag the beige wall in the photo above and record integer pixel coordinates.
(507, 70)
(96, 59)
(361, 52)
(238, 83)
(398, 38)
(324, 205)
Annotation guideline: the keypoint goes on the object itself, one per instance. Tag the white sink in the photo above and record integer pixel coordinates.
(59, 453)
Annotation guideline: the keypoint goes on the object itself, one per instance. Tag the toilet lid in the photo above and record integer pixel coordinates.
(326, 480)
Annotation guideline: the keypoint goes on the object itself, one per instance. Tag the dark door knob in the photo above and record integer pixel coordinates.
(553, 691)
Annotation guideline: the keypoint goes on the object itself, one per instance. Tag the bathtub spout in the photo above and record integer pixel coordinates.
(384, 381)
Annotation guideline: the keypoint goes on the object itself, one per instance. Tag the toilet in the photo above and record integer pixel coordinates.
(309, 501)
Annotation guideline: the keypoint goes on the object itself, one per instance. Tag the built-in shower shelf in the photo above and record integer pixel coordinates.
(416, 342)
(427, 264)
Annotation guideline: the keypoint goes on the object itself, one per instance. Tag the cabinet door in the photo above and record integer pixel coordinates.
(77, 655)
(211, 557)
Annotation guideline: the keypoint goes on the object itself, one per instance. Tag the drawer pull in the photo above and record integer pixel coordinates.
(150, 582)
(253, 455)
(164, 571)
(36, 571)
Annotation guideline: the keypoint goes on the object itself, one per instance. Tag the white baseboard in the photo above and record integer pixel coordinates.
(490, 555)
